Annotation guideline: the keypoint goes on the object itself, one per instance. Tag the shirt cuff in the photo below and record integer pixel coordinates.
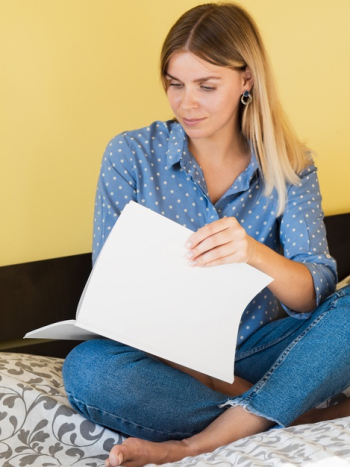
(324, 283)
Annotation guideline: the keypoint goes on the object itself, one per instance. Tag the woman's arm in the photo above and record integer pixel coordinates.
(305, 274)
(292, 285)
(116, 187)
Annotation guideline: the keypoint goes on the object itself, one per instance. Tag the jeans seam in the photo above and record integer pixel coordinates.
(88, 407)
(263, 347)
(340, 293)
(335, 297)
(247, 400)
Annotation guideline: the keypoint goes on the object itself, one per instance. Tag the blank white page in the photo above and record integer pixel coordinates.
(143, 293)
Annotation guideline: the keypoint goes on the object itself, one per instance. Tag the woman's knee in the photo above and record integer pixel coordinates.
(78, 367)
(340, 302)
(345, 293)
(333, 316)
(90, 364)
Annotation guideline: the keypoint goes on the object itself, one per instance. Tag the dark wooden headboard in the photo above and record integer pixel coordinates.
(338, 235)
(42, 292)
(39, 293)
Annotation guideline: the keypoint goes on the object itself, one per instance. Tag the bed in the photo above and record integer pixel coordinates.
(39, 428)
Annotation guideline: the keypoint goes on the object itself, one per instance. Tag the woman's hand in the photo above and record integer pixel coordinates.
(225, 241)
(221, 242)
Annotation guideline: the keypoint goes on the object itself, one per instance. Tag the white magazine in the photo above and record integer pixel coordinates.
(143, 293)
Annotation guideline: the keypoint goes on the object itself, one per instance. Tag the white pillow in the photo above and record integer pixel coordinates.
(37, 424)
(343, 283)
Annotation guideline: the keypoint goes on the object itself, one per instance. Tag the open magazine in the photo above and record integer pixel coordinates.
(143, 293)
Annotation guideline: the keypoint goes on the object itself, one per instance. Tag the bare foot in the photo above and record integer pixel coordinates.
(136, 452)
(233, 424)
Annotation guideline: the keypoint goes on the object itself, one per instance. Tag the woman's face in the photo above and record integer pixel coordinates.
(205, 98)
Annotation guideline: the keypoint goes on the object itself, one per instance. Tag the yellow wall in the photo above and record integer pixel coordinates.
(73, 73)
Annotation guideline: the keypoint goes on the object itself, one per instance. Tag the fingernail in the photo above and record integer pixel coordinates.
(189, 255)
(188, 245)
(192, 263)
(113, 459)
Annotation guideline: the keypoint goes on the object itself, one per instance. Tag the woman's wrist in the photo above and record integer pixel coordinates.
(256, 258)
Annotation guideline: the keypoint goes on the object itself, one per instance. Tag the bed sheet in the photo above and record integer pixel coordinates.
(38, 427)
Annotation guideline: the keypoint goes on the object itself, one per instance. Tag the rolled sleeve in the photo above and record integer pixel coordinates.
(116, 187)
(303, 236)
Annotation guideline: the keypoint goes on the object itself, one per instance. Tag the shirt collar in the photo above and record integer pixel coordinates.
(177, 144)
(243, 181)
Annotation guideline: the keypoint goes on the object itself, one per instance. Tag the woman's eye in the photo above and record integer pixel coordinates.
(208, 88)
(175, 85)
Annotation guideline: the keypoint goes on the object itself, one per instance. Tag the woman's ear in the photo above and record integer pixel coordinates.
(248, 80)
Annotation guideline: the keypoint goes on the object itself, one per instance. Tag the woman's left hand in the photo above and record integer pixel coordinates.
(221, 242)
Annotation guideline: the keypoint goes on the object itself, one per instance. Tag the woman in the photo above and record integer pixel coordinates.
(231, 169)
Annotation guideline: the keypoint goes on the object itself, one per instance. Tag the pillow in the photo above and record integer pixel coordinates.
(38, 427)
(343, 283)
(37, 424)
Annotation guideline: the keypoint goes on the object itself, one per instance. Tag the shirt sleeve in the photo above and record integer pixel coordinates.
(116, 187)
(303, 236)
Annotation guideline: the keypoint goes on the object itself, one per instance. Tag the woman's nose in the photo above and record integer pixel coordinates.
(189, 100)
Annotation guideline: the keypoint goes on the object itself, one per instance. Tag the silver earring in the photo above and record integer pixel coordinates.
(246, 98)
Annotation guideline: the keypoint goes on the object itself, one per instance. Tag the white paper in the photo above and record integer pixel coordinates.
(142, 292)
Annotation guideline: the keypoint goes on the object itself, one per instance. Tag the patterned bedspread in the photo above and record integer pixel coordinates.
(39, 428)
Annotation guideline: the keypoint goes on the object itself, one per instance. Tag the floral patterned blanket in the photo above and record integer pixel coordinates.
(39, 428)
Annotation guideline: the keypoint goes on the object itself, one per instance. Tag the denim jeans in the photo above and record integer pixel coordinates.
(295, 364)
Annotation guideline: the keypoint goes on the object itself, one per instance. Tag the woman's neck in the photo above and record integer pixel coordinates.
(221, 163)
(219, 153)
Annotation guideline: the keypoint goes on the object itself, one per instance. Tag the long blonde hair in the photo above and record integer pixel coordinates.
(224, 34)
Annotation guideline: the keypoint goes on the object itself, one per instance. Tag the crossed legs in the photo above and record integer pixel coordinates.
(169, 414)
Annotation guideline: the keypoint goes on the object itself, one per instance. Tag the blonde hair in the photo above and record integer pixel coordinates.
(224, 34)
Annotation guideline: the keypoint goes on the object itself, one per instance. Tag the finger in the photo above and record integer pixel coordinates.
(220, 262)
(209, 230)
(220, 255)
(232, 252)
(211, 248)
(238, 256)
(233, 236)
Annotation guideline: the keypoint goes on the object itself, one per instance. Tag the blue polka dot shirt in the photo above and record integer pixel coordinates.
(153, 166)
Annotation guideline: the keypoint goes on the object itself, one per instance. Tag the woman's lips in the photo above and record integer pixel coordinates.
(192, 121)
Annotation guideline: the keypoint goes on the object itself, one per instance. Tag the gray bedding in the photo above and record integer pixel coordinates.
(39, 428)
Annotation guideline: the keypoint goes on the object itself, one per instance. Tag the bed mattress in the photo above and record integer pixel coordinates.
(38, 427)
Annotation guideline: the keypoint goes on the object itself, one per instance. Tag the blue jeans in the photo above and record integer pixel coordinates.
(295, 364)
